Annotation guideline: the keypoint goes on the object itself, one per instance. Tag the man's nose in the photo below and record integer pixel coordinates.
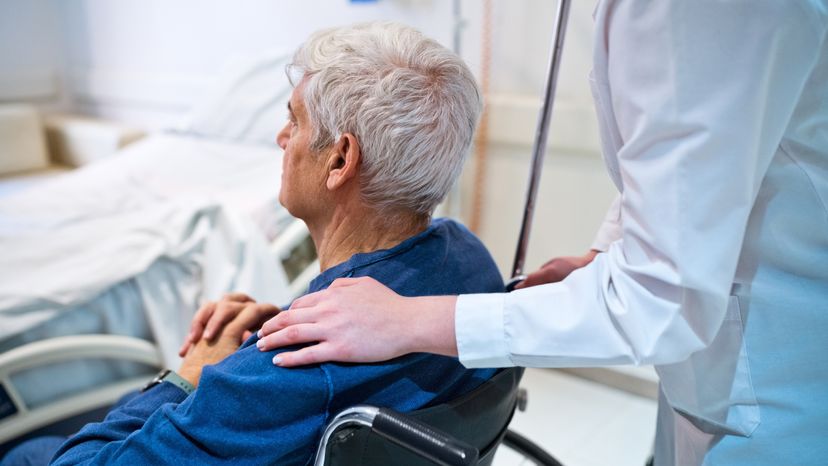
(283, 136)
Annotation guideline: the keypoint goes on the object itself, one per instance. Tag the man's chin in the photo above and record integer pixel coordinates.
(287, 206)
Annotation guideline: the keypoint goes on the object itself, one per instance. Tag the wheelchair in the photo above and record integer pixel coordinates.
(463, 432)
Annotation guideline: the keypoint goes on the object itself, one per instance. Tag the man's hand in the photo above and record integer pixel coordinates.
(209, 321)
(556, 270)
(360, 320)
(203, 353)
(226, 341)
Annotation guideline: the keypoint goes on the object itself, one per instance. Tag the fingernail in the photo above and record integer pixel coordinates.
(259, 333)
(208, 334)
(259, 344)
(277, 360)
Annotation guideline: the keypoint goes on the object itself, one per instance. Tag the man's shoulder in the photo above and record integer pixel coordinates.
(445, 259)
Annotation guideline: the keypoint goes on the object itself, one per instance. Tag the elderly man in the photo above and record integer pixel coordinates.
(380, 121)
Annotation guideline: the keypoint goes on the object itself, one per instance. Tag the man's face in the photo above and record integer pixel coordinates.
(303, 171)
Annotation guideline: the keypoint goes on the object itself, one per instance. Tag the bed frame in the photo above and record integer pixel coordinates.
(19, 418)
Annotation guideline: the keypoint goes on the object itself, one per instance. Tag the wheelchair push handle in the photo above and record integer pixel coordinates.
(423, 439)
(513, 282)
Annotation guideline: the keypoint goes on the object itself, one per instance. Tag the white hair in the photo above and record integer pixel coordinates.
(411, 103)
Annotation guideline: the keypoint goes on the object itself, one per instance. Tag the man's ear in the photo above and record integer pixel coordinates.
(343, 162)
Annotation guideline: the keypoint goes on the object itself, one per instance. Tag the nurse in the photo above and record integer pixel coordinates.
(714, 262)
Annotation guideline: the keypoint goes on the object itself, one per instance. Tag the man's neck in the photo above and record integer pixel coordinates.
(350, 232)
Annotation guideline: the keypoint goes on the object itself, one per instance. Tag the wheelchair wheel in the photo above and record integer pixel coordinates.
(529, 449)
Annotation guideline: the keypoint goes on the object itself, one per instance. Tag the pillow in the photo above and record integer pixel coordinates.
(22, 142)
(249, 103)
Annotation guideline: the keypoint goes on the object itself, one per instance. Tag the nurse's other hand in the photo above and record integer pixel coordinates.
(360, 320)
(213, 316)
(556, 269)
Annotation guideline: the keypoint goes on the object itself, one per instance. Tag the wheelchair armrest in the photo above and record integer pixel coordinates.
(404, 431)
(423, 439)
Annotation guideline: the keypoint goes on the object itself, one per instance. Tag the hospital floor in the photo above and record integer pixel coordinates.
(582, 423)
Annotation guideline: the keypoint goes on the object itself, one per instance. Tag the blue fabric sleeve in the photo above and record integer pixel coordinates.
(237, 415)
(119, 424)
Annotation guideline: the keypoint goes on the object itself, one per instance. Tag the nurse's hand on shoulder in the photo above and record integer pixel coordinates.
(557, 269)
(209, 321)
(360, 320)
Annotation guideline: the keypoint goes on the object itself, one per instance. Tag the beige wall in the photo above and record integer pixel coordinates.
(574, 194)
(575, 190)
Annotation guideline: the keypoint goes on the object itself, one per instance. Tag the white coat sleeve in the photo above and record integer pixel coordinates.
(700, 93)
(610, 229)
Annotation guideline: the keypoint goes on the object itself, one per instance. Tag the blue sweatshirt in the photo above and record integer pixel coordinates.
(248, 411)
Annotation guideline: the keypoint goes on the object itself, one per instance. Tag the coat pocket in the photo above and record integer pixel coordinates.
(713, 387)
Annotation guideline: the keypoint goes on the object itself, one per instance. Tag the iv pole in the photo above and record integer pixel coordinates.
(541, 135)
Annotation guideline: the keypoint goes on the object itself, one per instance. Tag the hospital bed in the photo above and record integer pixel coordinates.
(103, 266)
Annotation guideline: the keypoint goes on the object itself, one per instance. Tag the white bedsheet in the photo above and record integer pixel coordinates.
(10, 184)
(169, 220)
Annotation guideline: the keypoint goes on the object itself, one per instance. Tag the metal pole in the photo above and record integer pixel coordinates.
(541, 135)
(454, 201)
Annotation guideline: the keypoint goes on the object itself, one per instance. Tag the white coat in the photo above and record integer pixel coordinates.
(714, 125)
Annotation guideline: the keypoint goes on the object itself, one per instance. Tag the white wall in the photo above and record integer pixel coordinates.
(148, 61)
(29, 51)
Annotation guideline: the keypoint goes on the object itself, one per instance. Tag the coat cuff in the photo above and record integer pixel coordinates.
(480, 331)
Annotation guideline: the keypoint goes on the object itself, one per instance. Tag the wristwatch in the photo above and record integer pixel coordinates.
(172, 377)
